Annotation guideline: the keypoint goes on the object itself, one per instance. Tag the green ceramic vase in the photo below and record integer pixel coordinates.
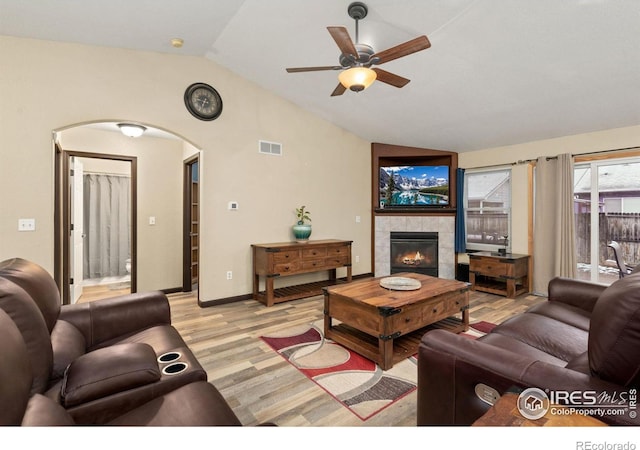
(302, 232)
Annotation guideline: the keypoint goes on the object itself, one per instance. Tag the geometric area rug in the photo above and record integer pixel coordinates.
(356, 382)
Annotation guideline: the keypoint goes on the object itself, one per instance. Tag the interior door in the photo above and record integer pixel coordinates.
(77, 228)
(73, 240)
(191, 225)
(195, 226)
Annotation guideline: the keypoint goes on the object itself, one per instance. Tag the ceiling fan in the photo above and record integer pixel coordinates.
(356, 58)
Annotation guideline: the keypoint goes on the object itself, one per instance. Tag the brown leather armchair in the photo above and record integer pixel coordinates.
(96, 360)
(194, 404)
(585, 338)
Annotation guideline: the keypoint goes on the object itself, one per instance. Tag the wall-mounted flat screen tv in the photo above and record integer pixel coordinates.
(414, 186)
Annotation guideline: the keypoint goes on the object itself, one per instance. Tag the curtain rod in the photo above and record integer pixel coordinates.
(109, 174)
(527, 161)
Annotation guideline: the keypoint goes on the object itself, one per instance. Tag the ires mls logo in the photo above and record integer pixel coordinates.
(534, 403)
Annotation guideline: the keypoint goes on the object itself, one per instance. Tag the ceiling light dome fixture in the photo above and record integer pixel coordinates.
(357, 78)
(131, 129)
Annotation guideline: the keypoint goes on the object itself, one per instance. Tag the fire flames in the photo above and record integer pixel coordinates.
(413, 260)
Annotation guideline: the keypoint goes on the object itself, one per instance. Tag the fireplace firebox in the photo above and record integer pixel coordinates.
(414, 251)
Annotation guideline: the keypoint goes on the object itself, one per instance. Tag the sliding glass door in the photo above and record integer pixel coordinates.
(607, 208)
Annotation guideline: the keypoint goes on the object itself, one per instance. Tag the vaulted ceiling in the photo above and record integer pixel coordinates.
(498, 72)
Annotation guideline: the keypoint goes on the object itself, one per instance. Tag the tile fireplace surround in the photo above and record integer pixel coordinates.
(443, 225)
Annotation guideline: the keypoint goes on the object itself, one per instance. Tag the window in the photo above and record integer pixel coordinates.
(607, 208)
(487, 208)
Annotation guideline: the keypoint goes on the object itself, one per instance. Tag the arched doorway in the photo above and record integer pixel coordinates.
(155, 260)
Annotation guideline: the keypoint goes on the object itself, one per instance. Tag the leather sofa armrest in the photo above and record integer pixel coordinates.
(102, 320)
(451, 366)
(44, 412)
(582, 294)
(108, 371)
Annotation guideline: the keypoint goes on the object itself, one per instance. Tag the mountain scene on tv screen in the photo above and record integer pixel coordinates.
(414, 186)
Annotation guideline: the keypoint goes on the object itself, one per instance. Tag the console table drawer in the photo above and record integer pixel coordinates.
(341, 251)
(285, 256)
(289, 267)
(313, 264)
(314, 253)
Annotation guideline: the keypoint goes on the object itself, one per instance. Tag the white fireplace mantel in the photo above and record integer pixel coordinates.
(443, 225)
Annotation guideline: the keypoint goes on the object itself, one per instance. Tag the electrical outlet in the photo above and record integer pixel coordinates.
(357, 259)
(229, 275)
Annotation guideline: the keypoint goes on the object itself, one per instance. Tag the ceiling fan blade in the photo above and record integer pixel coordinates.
(313, 69)
(339, 90)
(390, 78)
(409, 47)
(342, 38)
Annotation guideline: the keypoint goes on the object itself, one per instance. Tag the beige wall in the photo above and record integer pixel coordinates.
(582, 143)
(48, 86)
(159, 177)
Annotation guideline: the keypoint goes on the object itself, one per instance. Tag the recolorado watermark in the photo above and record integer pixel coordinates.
(534, 403)
(589, 445)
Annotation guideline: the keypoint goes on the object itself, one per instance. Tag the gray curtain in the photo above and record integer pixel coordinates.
(107, 224)
(554, 250)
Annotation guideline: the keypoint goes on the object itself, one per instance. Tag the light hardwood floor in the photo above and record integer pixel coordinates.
(261, 386)
(91, 293)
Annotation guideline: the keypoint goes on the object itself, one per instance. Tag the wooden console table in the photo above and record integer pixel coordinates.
(501, 274)
(284, 259)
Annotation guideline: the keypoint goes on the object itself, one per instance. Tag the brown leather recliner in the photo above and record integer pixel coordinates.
(97, 360)
(584, 339)
(194, 404)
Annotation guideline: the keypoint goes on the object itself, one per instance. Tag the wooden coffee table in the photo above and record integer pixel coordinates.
(386, 325)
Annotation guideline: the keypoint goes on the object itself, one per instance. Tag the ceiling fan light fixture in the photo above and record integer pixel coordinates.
(357, 78)
(131, 129)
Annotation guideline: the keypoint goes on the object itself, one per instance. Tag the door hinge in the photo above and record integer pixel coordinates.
(71, 281)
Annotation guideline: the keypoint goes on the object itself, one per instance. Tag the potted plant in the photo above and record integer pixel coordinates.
(302, 230)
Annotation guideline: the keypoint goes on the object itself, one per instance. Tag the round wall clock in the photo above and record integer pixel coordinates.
(203, 101)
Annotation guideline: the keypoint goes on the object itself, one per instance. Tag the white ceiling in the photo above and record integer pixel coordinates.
(499, 72)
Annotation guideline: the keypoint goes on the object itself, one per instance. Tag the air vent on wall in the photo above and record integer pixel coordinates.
(270, 148)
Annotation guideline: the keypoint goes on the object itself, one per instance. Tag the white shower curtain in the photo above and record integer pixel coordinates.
(107, 225)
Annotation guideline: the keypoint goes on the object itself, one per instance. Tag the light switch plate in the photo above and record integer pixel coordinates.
(26, 224)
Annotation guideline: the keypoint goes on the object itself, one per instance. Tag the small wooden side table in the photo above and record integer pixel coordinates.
(501, 274)
(505, 413)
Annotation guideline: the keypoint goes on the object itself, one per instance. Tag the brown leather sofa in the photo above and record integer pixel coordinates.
(584, 339)
(113, 361)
